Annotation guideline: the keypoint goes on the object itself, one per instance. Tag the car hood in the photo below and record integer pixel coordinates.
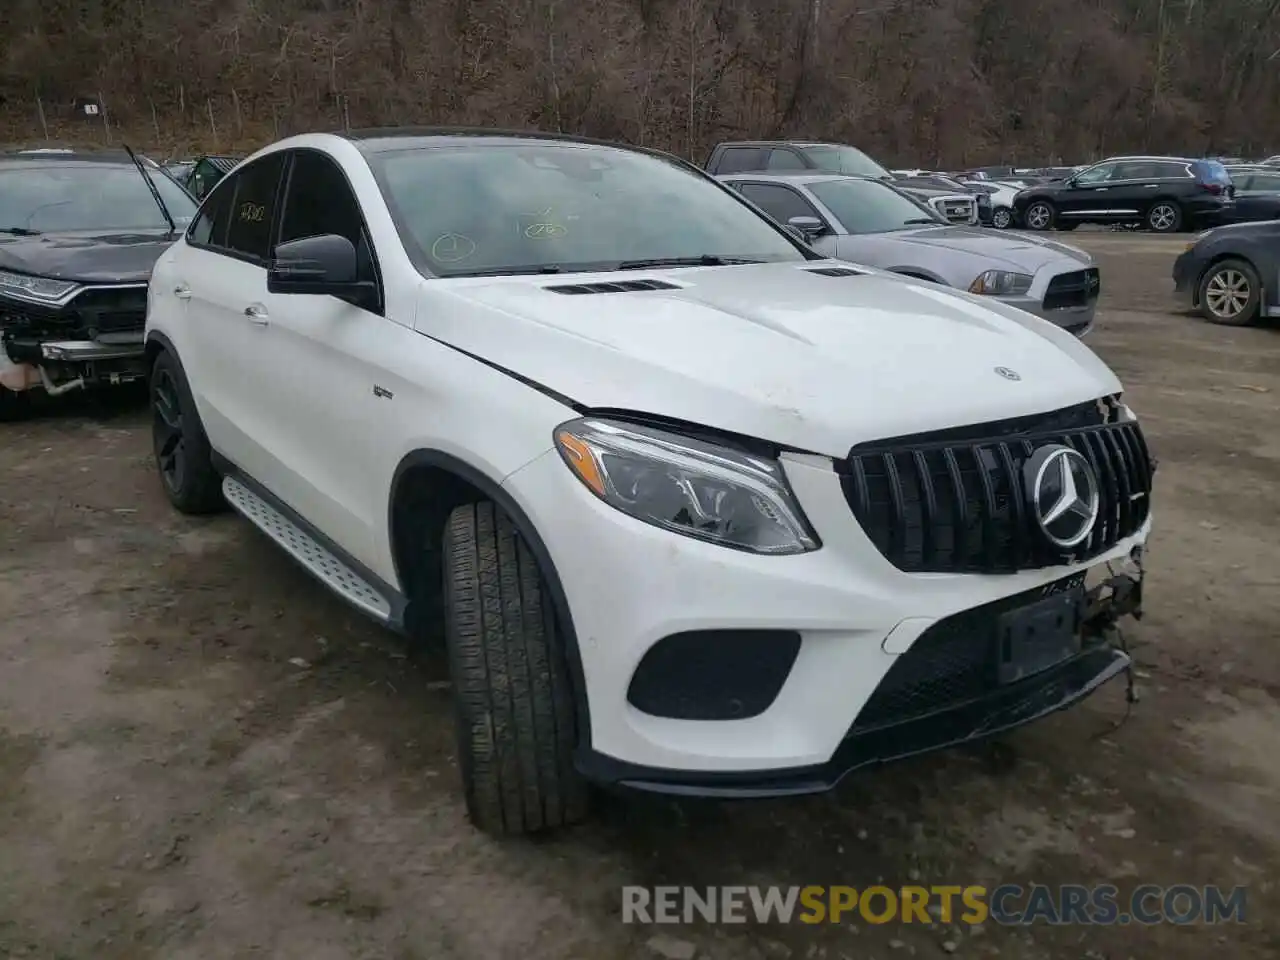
(772, 350)
(1024, 254)
(85, 257)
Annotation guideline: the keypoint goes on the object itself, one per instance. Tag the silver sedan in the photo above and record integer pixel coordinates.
(871, 222)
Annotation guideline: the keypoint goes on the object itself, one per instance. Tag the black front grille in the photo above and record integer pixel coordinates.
(954, 501)
(111, 310)
(952, 663)
(94, 311)
(1076, 289)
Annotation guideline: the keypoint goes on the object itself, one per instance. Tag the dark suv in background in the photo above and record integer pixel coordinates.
(1164, 194)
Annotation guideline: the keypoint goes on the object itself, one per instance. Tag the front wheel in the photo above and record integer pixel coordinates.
(1039, 216)
(1165, 216)
(1002, 218)
(1230, 293)
(515, 710)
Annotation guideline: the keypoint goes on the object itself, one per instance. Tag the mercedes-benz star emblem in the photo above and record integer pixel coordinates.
(1008, 374)
(1063, 493)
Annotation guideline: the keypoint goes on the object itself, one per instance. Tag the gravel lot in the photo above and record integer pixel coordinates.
(203, 755)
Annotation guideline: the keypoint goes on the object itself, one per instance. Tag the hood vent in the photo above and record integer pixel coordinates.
(836, 272)
(618, 286)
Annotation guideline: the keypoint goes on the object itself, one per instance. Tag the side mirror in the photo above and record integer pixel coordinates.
(325, 264)
(809, 227)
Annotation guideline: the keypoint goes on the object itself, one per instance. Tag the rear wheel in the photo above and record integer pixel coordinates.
(515, 711)
(183, 456)
(1039, 216)
(1230, 293)
(1164, 216)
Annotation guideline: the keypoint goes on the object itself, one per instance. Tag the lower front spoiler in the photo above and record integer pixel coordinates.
(1012, 706)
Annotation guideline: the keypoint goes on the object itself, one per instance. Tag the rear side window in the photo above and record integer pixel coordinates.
(209, 229)
(1211, 171)
(738, 159)
(253, 209)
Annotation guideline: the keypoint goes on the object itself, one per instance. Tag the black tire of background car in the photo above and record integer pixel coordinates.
(13, 405)
(1028, 218)
(1002, 218)
(195, 488)
(1154, 215)
(1246, 316)
(515, 711)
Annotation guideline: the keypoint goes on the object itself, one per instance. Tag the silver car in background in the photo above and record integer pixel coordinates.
(871, 222)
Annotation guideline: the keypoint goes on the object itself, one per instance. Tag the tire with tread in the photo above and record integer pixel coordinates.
(1028, 216)
(515, 708)
(1227, 270)
(197, 488)
(1164, 216)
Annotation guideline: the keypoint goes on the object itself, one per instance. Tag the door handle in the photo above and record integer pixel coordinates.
(182, 292)
(256, 313)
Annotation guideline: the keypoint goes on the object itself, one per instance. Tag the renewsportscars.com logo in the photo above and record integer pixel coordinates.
(1008, 904)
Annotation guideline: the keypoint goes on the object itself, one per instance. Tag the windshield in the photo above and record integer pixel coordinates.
(840, 159)
(496, 208)
(864, 206)
(68, 196)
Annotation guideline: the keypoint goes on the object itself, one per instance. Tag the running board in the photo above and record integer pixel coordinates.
(314, 557)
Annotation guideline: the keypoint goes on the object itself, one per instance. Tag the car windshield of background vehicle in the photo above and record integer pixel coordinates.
(863, 206)
(94, 196)
(841, 159)
(519, 208)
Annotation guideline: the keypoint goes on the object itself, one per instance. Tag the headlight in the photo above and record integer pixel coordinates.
(1001, 283)
(36, 289)
(697, 489)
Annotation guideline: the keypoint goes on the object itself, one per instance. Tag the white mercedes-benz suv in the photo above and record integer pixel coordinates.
(692, 508)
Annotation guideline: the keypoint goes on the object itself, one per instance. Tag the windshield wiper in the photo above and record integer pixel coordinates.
(20, 232)
(915, 220)
(155, 193)
(507, 271)
(706, 260)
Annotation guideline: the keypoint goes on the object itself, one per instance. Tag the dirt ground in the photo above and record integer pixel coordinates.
(203, 755)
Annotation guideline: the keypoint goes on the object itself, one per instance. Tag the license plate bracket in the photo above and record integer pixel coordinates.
(1038, 636)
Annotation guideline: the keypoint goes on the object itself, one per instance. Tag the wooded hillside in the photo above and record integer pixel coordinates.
(927, 82)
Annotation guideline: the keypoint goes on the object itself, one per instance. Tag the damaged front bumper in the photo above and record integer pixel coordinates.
(1102, 657)
(62, 365)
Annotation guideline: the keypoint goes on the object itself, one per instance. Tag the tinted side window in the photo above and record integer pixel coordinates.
(1164, 170)
(319, 201)
(209, 229)
(1097, 174)
(1265, 182)
(252, 210)
(737, 159)
(783, 159)
(781, 203)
